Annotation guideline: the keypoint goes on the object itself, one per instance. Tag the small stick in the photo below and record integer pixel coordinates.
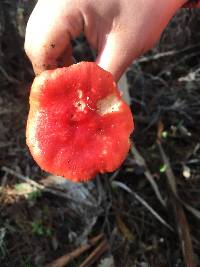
(8, 77)
(141, 162)
(184, 234)
(96, 254)
(65, 259)
(34, 183)
(143, 202)
(40, 186)
(182, 223)
(166, 54)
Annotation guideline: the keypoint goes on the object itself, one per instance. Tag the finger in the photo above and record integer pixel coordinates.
(130, 37)
(49, 31)
(116, 54)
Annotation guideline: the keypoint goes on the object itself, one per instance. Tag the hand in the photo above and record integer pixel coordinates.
(120, 30)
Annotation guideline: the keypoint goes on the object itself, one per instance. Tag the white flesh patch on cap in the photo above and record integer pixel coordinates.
(32, 130)
(80, 93)
(108, 104)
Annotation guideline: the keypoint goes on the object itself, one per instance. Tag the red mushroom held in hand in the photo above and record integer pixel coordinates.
(78, 124)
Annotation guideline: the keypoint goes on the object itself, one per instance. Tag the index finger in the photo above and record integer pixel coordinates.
(49, 31)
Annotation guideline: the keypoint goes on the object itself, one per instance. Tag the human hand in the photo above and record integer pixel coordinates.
(120, 30)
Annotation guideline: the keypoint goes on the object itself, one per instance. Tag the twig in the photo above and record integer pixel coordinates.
(2, 187)
(184, 234)
(96, 254)
(179, 62)
(65, 259)
(191, 76)
(39, 186)
(124, 229)
(182, 223)
(141, 162)
(33, 183)
(4, 181)
(144, 203)
(172, 182)
(8, 77)
(169, 173)
(22, 177)
(166, 54)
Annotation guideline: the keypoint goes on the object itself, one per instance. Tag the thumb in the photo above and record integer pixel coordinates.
(116, 53)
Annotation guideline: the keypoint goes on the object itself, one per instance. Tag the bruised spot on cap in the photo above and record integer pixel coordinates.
(80, 105)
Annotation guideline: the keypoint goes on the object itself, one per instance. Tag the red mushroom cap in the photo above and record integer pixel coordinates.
(78, 124)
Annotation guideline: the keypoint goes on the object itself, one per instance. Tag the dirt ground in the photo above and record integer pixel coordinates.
(147, 213)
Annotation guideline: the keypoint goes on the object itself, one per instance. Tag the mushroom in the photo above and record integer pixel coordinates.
(78, 125)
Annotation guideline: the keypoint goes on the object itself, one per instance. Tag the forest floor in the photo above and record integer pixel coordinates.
(147, 213)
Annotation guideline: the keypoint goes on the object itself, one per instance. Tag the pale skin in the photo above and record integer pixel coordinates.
(120, 30)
